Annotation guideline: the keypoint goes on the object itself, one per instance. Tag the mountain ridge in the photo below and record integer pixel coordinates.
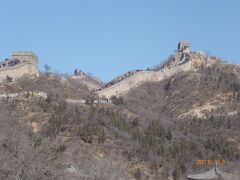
(157, 130)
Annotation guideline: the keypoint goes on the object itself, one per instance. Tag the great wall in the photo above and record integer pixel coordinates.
(184, 60)
(25, 95)
(141, 77)
(26, 63)
(21, 63)
(90, 81)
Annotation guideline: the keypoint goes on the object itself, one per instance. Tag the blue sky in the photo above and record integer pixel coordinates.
(109, 37)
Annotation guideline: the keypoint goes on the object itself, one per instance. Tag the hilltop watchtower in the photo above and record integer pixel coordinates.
(26, 57)
(22, 63)
(183, 52)
(184, 46)
(78, 72)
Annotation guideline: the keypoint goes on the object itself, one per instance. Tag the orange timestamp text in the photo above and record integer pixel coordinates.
(210, 161)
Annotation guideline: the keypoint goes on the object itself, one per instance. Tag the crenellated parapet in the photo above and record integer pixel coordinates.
(26, 56)
(22, 63)
(182, 61)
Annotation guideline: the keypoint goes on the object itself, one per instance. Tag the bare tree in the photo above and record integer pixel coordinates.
(47, 68)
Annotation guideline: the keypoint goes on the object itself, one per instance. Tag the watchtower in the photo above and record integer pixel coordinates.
(26, 57)
(78, 72)
(22, 63)
(184, 46)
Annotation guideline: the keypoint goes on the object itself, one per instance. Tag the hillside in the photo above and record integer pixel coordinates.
(202, 110)
(157, 130)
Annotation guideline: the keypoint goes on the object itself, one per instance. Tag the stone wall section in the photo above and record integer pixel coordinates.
(140, 77)
(28, 66)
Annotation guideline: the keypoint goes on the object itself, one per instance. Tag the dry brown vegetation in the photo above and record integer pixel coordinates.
(194, 137)
(141, 136)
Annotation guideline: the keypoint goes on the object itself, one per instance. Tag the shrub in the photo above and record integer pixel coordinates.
(117, 100)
